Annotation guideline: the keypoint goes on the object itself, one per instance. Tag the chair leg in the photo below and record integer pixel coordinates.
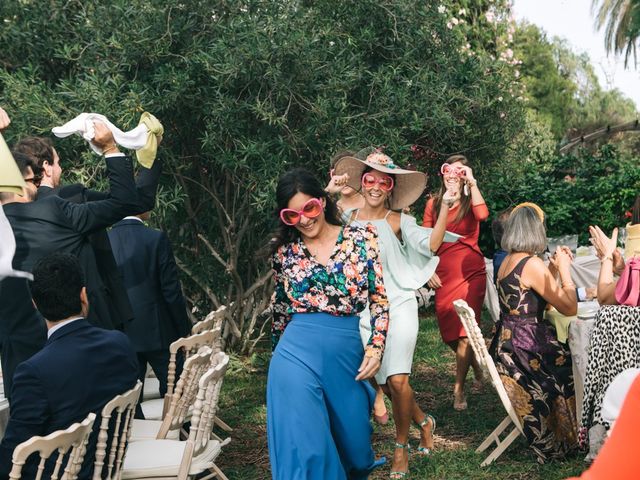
(222, 425)
(502, 446)
(219, 473)
(494, 436)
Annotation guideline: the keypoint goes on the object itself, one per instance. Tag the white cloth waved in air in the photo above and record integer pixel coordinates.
(83, 125)
(8, 250)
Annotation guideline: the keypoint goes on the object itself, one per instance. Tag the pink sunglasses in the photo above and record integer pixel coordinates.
(311, 209)
(448, 171)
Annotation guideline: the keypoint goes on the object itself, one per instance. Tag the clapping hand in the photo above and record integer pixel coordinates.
(562, 258)
(4, 119)
(606, 247)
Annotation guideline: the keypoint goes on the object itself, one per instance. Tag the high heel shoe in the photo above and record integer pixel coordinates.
(397, 474)
(425, 422)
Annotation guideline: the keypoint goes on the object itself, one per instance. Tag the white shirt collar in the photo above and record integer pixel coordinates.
(58, 325)
(133, 217)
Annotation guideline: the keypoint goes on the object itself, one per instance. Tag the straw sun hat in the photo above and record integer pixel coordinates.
(408, 184)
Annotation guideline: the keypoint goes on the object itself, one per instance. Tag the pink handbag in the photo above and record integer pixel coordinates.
(628, 287)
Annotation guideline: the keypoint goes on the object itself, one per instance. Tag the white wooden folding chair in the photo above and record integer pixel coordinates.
(211, 322)
(70, 444)
(156, 408)
(181, 402)
(122, 406)
(467, 316)
(184, 459)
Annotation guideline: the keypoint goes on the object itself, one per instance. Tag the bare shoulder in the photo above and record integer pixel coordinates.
(534, 271)
(394, 220)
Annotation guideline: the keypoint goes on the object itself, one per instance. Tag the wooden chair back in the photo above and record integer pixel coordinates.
(468, 318)
(70, 444)
(185, 393)
(123, 407)
(190, 346)
(212, 321)
(204, 411)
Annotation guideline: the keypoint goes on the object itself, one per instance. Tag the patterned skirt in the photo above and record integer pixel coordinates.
(536, 372)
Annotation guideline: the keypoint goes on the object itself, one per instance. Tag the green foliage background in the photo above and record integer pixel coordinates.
(248, 89)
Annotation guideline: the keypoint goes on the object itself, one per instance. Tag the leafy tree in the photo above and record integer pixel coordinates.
(562, 86)
(621, 21)
(246, 90)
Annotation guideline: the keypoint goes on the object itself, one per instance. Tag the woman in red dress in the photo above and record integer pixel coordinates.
(461, 271)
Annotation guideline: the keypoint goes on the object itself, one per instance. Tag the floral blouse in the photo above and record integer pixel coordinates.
(351, 278)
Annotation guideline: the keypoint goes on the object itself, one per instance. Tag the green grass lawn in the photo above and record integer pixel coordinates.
(457, 435)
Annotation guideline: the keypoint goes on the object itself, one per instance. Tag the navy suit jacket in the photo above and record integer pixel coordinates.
(56, 225)
(150, 275)
(78, 371)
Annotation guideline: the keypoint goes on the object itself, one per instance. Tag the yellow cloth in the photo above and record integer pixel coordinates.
(561, 322)
(10, 177)
(147, 154)
(632, 245)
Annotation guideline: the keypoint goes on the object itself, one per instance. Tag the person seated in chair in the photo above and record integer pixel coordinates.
(534, 366)
(80, 368)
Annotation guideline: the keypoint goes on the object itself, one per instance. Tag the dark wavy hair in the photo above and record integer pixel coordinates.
(635, 211)
(298, 180)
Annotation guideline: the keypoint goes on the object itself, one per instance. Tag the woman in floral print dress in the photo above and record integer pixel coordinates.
(534, 367)
(318, 404)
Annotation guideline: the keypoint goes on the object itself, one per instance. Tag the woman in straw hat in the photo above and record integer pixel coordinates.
(408, 261)
(461, 272)
(534, 366)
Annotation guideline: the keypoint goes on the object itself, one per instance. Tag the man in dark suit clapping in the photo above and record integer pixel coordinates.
(56, 225)
(150, 276)
(78, 371)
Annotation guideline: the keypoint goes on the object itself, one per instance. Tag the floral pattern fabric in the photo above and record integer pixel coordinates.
(535, 369)
(351, 279)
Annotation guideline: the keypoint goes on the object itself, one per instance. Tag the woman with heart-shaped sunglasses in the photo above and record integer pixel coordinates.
(408, 261)
(326, 274)
(461, 272)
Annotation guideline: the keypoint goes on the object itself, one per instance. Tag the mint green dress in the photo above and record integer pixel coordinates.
(406, 266)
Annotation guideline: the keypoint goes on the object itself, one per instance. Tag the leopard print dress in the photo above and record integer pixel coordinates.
(614, 346)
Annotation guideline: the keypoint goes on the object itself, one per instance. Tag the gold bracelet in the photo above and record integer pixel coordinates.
(371, 352)
(608, 257)
(110, 148)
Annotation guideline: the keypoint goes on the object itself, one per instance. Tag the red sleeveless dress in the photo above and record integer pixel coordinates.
(461, 268)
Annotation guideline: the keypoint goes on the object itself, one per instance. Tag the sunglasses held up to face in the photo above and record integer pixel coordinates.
(448, 170)
(384, 183)
(311, 209)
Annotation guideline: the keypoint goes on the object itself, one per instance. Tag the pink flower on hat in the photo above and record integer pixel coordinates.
(380, 158)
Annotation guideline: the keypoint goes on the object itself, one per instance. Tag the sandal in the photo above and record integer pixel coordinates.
(396, 474)
(425, 422)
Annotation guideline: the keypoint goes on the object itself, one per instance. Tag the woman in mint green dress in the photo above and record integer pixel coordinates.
(408, 261)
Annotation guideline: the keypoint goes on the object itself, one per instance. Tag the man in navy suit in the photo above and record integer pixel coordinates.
(56, 225)
(149, 273)
(78, 371)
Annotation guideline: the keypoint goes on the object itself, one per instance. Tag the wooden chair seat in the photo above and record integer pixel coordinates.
(162, 458)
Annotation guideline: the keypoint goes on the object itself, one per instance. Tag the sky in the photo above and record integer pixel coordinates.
(572, 20)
